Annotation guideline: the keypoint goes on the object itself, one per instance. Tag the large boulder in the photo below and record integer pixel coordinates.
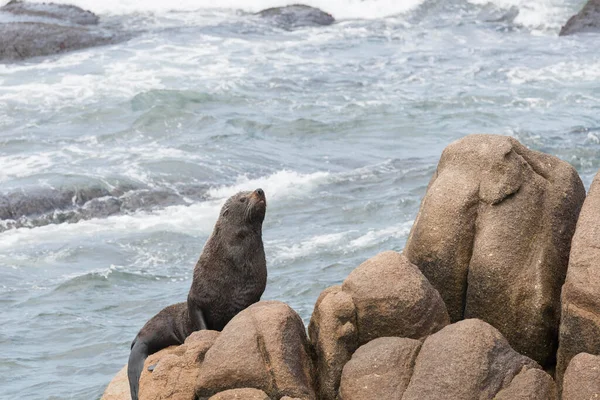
(586, 20)
(381, 369)
(297, 15)
(466, 360)
(580, 318)
(393, 298)
(493, 237)
(176, 369)
(384, 296)
(582, 378)
(32, 29)
(264, 347)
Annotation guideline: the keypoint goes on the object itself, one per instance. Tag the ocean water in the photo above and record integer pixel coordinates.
(138, 144)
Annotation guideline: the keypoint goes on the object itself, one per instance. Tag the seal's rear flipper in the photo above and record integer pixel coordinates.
(139, 353)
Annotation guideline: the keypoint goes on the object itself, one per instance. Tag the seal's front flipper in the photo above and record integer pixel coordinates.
(139, 353)
(198, 318)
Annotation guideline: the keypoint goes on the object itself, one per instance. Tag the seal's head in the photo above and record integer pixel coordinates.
(245, 208)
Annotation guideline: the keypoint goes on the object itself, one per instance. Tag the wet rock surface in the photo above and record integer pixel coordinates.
(297, 15)
(39, 29)
(586, 20)
(38, 206)
(64, 12)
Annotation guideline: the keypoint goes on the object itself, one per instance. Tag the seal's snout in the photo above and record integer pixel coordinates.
(260, 194)
(258, 205)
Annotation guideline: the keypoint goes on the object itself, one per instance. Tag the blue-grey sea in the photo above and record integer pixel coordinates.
(119, 157)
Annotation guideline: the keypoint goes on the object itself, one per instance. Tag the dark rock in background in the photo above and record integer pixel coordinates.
(297, 15)
(586, 20)
(30, 30)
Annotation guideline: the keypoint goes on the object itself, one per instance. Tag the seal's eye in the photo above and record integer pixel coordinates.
(242, 199)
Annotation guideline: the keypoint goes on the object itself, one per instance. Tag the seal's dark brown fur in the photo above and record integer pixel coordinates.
(230, 275)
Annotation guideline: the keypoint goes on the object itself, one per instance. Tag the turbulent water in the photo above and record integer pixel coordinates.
(114, 161)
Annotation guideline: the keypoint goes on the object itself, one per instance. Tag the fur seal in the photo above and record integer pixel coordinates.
(230, 275)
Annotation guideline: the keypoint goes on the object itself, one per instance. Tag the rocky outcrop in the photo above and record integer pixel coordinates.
(176, 369)
(263, 347)
(580, 318)
(586, 20)
(39, 206)
(466, 360)
(493, 234)
(493, 237)
(582, 378)
(384, 296)
(297, 15)
(381, 369)
(34, 29)
(64, 12)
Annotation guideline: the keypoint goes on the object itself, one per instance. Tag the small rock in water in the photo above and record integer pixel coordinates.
(507, 16)
(297, 15)
(63, 12)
